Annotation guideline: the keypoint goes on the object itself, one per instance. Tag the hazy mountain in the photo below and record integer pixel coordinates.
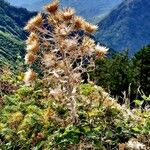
(12, 21)
(93, 10)
(128, 26)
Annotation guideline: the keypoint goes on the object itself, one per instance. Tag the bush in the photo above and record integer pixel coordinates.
(31, 123)
(56, 110)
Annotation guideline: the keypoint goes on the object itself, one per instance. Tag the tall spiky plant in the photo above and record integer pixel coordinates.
(64, 53)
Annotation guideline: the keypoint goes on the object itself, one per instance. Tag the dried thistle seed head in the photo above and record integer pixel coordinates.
(62, 30)
(71, 44)
(33, 36)
(87, 46)
(90, 28)
(88, 43)
(78, 22)
(30, 58)
(101, 51)
(34, 22)
(49, 60)
(33, 47)
(68, 13)
(52, 7)
(54, 18)
(30, 76)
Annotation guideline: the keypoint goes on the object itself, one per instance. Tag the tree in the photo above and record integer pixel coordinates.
(142, 64)
(116, 74)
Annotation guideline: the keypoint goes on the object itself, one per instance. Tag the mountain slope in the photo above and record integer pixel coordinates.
(92, 10)
(9, 48)
(128, 26)
(12, 21)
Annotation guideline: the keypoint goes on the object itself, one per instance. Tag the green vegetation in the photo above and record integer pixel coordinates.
(12, 21)
(142, 63)
(124, 77)
(10, 47)
(31, 120)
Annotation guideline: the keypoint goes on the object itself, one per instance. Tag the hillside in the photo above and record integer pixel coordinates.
(9, 48)
(92, 10)
(127, 26)
(12, 21)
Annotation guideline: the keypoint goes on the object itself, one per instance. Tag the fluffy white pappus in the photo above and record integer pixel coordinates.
(30, 75)
(135, 145)
(102, 50)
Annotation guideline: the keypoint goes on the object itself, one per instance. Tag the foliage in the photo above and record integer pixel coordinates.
(12, 20)
(124, 77)
(9, 48)
(31, 120)
(116, 74)
(142, 63)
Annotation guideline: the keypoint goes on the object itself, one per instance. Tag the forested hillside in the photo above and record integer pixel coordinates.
(12, 21)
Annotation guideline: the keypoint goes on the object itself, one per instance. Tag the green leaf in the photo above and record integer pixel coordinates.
(146, 98)
(136, 130)
(139, 102)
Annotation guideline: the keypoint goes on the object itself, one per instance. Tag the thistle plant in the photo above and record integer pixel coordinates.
(61, 43)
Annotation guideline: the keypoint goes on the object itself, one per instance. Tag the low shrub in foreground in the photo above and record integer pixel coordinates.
(30, 120)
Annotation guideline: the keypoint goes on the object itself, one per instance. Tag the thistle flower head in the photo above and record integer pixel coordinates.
(49, 60)
(62, 30)
(34, 22)
(52, 7)
(101, 50)
(32, 37)
(68, 13)
(33, 47)
(78, 22)
(87, 46)
(30, 76)
(90, 28)
(71, 44)
(88, 43)
(54, 18)
(30, 58)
